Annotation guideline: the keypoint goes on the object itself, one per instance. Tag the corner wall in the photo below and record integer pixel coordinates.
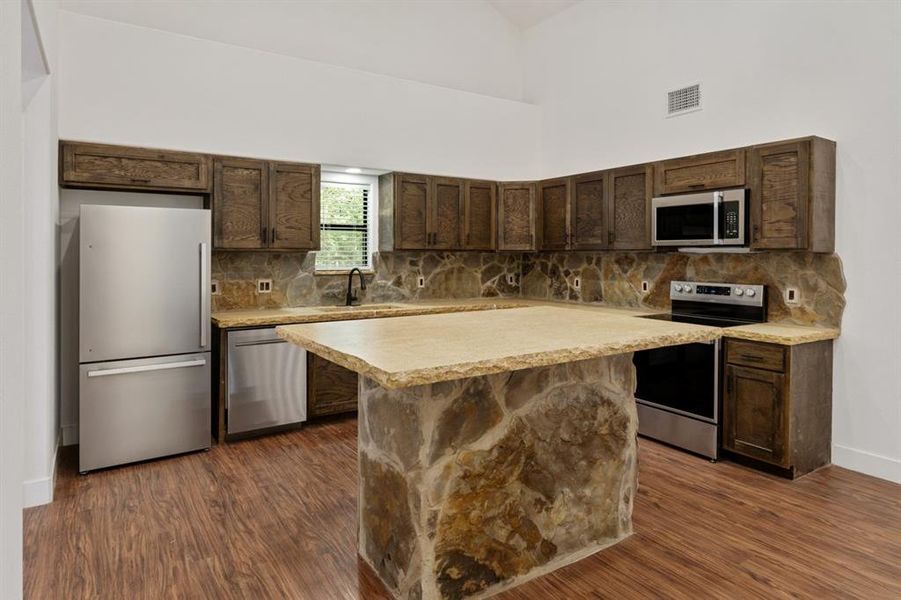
(768, 70)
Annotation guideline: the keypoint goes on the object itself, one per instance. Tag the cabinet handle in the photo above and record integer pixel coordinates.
(696, 186)
(137, 180)
(273, 238)
(756, 232)
(263, 231)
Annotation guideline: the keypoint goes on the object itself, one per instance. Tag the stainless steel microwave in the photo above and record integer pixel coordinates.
(701, 219)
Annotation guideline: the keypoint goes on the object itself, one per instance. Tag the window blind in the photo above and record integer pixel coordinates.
(344, 226)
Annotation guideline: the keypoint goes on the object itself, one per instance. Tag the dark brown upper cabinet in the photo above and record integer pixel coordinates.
(479, 215)
(516, 216)
(261, 205)
(588, 217)
(446, 214)
(629, 201)
(553, 213)
(123, 167)
(709, 171)
(294, 206)
(411, 212)
(240, 203)
(793, 195)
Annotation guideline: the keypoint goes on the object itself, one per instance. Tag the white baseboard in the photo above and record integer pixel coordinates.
(70, 434)
(40, 491)
(884, 467)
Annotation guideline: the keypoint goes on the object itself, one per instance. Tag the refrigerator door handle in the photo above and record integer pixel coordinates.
(204, 296)
(143, 368)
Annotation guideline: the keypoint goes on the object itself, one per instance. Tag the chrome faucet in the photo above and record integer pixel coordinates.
(351, 297)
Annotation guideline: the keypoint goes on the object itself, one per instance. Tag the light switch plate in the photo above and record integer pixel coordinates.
(577, 283)
(421, 281)
(511, 279)
(792, 296)
(645, 286)
(215, 290)
(264, 286)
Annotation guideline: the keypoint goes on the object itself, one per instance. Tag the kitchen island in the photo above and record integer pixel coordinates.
(494, 446)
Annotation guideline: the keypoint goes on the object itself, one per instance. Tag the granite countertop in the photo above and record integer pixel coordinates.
(781, 333)
(261, 317)
(424, 349)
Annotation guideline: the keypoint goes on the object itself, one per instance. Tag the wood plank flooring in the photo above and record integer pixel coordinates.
(275, 518)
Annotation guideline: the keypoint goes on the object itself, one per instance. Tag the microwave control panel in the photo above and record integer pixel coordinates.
(730, 220)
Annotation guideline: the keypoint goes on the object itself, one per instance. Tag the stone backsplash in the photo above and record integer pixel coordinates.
(615, 278)
(610, 277)
(395, 278)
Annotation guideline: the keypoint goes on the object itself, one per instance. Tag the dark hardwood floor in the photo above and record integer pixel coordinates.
(275, 518)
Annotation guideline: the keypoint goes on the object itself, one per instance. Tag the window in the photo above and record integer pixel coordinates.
(345, 226)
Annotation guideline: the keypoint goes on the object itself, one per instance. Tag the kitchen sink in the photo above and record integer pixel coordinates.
(358, 307)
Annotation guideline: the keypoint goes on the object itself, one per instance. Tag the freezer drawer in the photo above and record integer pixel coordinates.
(267, 381)
(131, 410)
(144, 282)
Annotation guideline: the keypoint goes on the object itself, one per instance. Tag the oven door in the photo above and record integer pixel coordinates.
(683, 380)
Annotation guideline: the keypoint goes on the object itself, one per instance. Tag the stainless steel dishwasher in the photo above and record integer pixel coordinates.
(267, 382)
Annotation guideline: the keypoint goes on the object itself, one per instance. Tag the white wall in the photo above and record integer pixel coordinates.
(132, 85)
(39, 289)
(768, 71)
(459, 44)
(12, 303)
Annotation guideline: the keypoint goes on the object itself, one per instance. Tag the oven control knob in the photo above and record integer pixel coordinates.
(750, 293)
(739, 291)
(678, 287)
(686, 289)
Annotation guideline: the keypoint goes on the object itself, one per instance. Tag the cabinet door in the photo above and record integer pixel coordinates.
(240, 203)
(629, 217)
(553, 214)
(516, 216)
(479, 215)
(779, 183)
(701, 172)
(411, 212)
(589, 211)
(293, 206)
(446, 213)
(755, 415)
(100, 165)
(331, 389)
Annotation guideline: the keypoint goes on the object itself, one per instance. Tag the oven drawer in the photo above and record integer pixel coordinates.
(759, 356)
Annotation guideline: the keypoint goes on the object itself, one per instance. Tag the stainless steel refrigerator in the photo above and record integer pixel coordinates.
(144, 333)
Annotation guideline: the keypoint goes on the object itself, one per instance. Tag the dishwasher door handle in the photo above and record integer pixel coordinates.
(259, 343)
(145, 368)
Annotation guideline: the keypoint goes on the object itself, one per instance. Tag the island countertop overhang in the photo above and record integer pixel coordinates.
(401, 352)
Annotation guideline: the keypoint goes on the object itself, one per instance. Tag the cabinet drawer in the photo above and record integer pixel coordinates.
(702, 172)
(99, 165)
(760, 356)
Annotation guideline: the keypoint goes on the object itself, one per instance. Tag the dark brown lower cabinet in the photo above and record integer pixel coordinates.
(777, 404)
(331, 389)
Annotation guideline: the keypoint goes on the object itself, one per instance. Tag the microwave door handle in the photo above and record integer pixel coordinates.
(717, 201)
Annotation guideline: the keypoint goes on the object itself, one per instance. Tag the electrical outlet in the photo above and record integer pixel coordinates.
(645, 286)
(511, 279)
(214, 288)
(577, 283)
(264, 286)
(421, 281)
(792, 296)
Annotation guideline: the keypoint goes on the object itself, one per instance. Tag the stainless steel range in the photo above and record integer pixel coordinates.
(679, 394)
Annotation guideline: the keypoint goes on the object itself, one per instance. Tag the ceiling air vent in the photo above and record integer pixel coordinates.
(683, 100)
